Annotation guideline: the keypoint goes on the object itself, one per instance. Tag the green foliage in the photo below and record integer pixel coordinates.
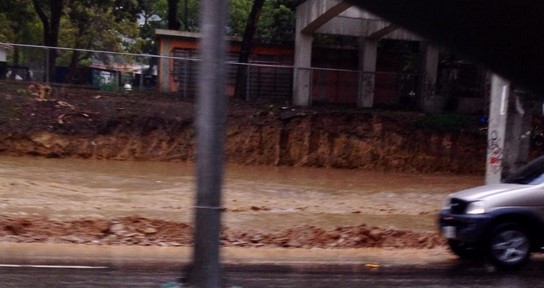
(446, 121)
(276, 24)
(126, 10)
(239, 12)
(129, 25)
(18, 22)
(95, 25)
(156, 11)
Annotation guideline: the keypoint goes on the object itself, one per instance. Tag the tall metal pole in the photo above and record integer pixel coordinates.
(498, 110)
(210, 127)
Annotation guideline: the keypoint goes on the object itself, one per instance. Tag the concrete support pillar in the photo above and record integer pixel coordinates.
(428, 101)
(368, 52)
(302, 74)
(164, 67)
(518, 132)
(498, 109)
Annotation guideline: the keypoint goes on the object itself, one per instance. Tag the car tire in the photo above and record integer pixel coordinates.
(509, 246)
(463, 250)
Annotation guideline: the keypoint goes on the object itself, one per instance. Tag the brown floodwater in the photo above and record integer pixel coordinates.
(255, 197)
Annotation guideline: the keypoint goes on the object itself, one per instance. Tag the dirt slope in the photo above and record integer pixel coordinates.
(120, 126)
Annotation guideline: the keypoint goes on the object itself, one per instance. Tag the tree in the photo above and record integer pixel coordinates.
(18, 22)
(127, 10)
(278, 25)
(276, 22)
(50, 13)
(95, 24)
(245, 48)
(173, 22)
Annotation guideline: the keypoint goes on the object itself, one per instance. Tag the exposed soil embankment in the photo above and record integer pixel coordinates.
(147, 232)
(93, 124)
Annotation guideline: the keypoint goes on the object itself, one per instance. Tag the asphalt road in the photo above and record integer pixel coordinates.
(455, 274)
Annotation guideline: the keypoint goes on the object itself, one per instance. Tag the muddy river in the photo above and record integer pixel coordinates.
(273, 198)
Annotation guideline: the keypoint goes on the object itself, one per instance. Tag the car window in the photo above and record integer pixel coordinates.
(537, 180)
(531, 174)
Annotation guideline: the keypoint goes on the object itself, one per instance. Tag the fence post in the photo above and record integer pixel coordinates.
(46, 69)
(185, 76)
(142, 75)
(247, 82)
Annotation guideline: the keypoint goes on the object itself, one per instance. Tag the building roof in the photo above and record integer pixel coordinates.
(184, 34)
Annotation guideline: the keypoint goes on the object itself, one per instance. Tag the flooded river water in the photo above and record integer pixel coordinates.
(254, 197)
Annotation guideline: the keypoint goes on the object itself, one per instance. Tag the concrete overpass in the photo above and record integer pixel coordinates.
(342, 18)
(504, 36)
(507, 37)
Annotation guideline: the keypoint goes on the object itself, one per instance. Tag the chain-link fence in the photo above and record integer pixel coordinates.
(177, 73)
(93, 69)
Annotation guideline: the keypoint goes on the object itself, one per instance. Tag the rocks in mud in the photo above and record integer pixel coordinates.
(340, 237)
(147, 232)
(117, 229)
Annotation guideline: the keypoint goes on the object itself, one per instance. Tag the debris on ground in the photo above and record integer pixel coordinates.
(152, 232)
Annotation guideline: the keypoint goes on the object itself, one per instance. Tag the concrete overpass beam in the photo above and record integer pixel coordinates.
(312, 14)
(383, 32)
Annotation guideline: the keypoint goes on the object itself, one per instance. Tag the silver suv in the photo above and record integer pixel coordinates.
(503, 223)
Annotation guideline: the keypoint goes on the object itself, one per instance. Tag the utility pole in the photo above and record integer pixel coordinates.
(210, 128)
(498, 110)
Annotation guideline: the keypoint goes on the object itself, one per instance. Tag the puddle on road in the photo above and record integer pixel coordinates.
(255, 197)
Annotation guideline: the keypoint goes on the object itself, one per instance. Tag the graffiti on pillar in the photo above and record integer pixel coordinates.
(494, 153)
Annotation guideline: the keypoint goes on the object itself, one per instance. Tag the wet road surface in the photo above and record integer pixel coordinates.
(455, 274)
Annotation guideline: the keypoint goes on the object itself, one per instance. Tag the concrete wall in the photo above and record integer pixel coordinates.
(2, 54)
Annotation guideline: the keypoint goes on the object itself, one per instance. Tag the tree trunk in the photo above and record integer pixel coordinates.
(173, 22)
(51, 26)
(70, 77)
(245, 49)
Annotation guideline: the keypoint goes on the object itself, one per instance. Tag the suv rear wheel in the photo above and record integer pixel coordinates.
(508, 246)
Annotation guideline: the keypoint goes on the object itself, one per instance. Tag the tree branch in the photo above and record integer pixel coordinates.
(43, 17)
